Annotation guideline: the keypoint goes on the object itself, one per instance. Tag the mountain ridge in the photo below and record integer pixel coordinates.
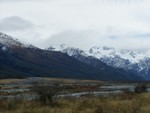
(133, 61)
(25, 61)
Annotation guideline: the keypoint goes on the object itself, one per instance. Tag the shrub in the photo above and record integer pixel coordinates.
(140, 88)
(46, 94)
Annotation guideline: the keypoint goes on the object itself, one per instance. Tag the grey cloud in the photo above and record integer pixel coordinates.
(81, 39)
(146, 35)
(71, 19)
(88, 38)
(14, 23)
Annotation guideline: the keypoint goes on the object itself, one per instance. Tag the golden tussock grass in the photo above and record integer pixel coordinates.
(136, 103)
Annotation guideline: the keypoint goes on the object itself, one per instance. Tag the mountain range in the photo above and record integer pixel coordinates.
(135, 62)
(19, 60)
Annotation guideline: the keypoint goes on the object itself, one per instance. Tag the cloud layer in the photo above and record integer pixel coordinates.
(81, 23)
(14, 23)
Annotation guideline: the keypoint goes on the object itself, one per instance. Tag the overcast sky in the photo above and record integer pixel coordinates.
(79, 23)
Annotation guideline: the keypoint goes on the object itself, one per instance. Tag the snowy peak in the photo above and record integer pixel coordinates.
(103, 51)
(71, 51)
(132, 55)
(8, 41)
(135, 61)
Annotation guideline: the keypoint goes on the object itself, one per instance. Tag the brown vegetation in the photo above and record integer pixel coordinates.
(139, 103)
(48, 100)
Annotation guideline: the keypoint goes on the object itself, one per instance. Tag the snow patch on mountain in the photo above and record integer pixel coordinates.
(71, 51)
(136, 61)
(100, 52)
(4, 48)
(11, 42)
(110, 52)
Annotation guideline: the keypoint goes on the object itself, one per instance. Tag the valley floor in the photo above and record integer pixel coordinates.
(49, 95)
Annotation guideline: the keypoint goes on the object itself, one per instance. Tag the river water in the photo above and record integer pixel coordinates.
(103, 90)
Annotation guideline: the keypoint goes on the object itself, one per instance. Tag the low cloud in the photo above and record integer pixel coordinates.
(88, 38)
(79, 23)
(15, 23)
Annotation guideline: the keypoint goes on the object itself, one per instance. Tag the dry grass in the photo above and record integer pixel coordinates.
(50, 80)
(138, 103)
(61, 80)
(122, 103)
(8, 81)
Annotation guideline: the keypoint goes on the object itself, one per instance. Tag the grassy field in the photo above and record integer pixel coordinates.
(123, 103)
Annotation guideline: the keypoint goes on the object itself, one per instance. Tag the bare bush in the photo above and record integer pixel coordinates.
(46, 94)
(140, 88)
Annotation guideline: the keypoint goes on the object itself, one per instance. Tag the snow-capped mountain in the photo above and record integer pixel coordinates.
(71, 51)
(100, 62)
(88, 58)
(8, 41)
(77, 53)
(103, 51)
(130, 60)
(134, 61)
(20, 60)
